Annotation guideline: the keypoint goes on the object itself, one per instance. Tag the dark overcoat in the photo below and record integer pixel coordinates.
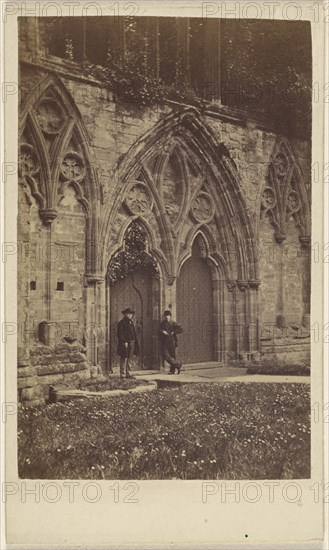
(126, 332)
(169, 342)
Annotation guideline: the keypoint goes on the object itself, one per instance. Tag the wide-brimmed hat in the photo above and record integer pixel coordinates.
(167, 312)
(128, 310)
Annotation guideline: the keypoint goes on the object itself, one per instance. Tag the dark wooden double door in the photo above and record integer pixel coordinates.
(194, 312)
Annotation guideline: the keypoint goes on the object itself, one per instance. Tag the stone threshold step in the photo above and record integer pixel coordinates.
(186, 367)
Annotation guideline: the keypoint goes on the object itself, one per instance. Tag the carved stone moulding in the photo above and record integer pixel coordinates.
(254, 283)
(231, 285)
(202, 209)
(279, 237)
(50, 116)
(138, 199)
(293, 202)
(28, 161)
(170, 279)
(73, 167)
(280, 164)
(305, 241)
(94, 278)
(48, 215)
(243, 285)
(268, 199)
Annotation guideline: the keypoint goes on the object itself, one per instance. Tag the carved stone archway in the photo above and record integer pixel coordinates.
(56, 169)
(179, 180)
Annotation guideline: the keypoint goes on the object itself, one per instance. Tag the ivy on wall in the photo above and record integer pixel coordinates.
(133, 257)
(130, 81)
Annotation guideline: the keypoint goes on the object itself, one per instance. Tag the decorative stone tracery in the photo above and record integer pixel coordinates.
(73, 167)
(285, 197)
(202, 209)
(49, 115)
(138, 199)
(28, 161)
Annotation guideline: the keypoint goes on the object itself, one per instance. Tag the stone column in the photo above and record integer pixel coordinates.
(306, 277)
(92, 316)
(218, 320)
(23, 279)
(243, 319)
(280, 319)
(47, 328)
(253, 332)
(102, 326)
(169, 296)
(231, 329)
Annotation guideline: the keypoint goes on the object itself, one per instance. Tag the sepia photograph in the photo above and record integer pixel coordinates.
(164, 248)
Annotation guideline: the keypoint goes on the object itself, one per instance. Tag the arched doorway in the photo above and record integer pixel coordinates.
(195, 308)
(132, 280)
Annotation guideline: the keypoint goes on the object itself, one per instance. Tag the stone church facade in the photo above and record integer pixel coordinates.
(222, 202)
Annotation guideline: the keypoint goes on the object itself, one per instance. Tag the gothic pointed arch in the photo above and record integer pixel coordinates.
(284, 197)
(133, 254)
(206, 241)
(55, 155)
(188, 180)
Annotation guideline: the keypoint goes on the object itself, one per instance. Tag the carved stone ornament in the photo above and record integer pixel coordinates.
(170, 279)
(72, 167)
(28, 161)
(254, 283)
(243, 285)
(50, 116)
(293, 202)
(202, 208)
(280, 165)
(268, 199)
(138, 199)
(231, 285)
(48, 215)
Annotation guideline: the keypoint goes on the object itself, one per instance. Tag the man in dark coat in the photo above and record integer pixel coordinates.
(168, 339)
(127, 342)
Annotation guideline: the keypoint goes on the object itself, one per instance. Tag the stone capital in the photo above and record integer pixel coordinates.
(243, 285)
(94, 278)
(254, 283)
(48, 215)
(170, 279)
(305, 241)
(231, 285)
(280, 237)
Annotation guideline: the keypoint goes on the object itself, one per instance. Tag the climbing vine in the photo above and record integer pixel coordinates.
(133, 257)
(131, 81)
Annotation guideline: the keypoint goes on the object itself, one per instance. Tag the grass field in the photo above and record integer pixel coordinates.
(200, 431)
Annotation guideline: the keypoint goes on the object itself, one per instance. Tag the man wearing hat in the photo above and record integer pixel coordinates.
(127, 342)
(168, 340)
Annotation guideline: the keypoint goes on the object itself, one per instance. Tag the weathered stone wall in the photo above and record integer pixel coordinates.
(68, 267)
(112, 130)
(269, 253)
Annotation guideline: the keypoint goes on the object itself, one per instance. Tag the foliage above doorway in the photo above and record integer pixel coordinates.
(133, 257)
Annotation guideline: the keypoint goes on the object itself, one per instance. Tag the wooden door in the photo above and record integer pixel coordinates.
(133, 291)
(195, 310)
